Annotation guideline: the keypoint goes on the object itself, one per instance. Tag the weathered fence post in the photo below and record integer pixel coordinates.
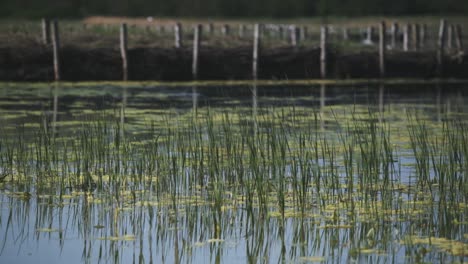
(345, 34)
(423, 36)
(293, 35)
(449, 37)
(323, 51)
(281, 31)
(196, 45)
(178, 35)
(459, 37)
(45, 31)
(304, 32)
(123, 50)
(225, 30)
(370, 33)
(241, 30)
(406, 29)
(394, 34)
(56, 49)
(256, 50)
(382, 46)
(210, 29)
(415, 34)
(440, 47)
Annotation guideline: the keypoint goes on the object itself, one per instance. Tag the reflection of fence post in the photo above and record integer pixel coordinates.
(178, 35)
(394, 34)
(56, 48)
(123, 50)
(406, 29)
(382, 46)
(45, 31)
(196, 45)
(440, 47)
(323, 51)
(256, 50)
(459, 37)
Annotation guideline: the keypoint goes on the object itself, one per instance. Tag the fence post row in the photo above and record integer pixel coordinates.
(414, 37)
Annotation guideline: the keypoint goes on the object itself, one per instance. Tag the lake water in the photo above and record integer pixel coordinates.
(243, 173)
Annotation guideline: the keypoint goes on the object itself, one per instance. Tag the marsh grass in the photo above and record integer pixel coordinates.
(206, 173)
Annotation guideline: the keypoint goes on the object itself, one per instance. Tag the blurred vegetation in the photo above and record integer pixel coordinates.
(228, 8)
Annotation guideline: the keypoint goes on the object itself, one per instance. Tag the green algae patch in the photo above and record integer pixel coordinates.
(127, 237)
(312, 259)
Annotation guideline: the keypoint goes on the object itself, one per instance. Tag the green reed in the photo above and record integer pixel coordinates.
(287, 164)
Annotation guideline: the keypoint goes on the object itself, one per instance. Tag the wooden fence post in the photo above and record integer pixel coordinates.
(123, 50)
(178, 35)
(370, 33)
(449, 37)
(56, 49)
(304, 32)
(415, 34)
(225, 30)
(406, 29)
(440, 47)
(394, 34)
(210, 29)
(345, 34)
(196, 45)
(292, 35)
(459, 38)
(323, 51)
(423, 36)
(256, 50)
(382, 46)
(45, 31)
(241, 30)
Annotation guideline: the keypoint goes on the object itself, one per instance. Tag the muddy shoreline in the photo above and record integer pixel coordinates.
(170, 64)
